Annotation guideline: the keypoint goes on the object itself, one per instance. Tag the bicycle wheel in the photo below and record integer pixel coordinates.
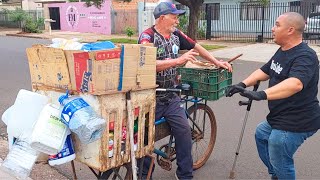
(122, 172)
(203, 140)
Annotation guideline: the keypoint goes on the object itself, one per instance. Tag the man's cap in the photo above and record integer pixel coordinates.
(166, 8)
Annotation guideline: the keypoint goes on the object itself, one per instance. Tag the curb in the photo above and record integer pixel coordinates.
(21, 35)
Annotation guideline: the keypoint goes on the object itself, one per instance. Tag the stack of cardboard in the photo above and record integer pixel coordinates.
(108, 75)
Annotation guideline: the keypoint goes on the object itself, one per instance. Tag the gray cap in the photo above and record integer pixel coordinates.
(166, 8)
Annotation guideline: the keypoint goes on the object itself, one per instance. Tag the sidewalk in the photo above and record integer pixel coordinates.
(259, 52)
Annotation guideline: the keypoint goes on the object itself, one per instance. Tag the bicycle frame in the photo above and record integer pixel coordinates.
(185, 100)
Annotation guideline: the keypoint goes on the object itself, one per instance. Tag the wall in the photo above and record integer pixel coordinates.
(79, 18)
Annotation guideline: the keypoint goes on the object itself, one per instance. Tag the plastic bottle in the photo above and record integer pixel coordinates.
(66, 154)
(49, 132)
(81, 118)
(21, 157)
(110, 153)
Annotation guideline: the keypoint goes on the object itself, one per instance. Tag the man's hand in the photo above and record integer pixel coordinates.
(254, 95)
(240, 87)
(225, 65)
(188, 56)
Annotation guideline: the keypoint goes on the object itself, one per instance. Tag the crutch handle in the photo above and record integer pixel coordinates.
(244, 103)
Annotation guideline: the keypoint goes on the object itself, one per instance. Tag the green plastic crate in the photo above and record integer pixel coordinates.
(209, 84)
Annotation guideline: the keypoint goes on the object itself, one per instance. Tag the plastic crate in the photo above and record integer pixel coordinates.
(209, 84)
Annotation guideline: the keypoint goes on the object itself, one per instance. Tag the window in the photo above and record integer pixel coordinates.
(213, 8)
(253, 11)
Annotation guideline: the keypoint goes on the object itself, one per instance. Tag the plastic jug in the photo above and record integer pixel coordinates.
(25, 112)
(7, 115)
(49, 132)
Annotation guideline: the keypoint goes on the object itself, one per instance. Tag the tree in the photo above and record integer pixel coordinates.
(98, 3)
(194, 16)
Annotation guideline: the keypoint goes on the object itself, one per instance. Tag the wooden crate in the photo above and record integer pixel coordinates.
(113, 107)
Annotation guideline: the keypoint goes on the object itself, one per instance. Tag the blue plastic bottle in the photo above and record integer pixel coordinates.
(81, 118)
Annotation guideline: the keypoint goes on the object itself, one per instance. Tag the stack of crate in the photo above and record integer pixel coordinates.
(107, 75)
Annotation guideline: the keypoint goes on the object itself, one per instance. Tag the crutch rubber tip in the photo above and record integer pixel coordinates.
(232, 175)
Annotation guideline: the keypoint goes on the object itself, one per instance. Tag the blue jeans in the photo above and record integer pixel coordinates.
(277, 147)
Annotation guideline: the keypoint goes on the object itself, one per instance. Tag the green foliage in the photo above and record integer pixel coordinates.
(18, 15)
(98, 3)
(26, 22)
(129, 31)
(121, 40)
(73, 0)
(202, 30)
(32, 26)
(183, 23)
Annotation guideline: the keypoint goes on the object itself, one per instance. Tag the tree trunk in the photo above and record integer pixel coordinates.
(193, 20)
(194, 7)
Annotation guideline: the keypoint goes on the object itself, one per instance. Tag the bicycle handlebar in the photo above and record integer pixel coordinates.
(168, 90)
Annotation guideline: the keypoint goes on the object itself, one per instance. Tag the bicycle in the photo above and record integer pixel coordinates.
(198, 114)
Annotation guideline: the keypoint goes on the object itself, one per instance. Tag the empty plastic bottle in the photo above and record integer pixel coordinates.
(21, 157)
(81, 118)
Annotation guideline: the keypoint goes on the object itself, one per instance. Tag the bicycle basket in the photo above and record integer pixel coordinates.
(209, 84)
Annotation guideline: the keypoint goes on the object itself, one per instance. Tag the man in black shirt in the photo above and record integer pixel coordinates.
(169, 40)
(293, 74)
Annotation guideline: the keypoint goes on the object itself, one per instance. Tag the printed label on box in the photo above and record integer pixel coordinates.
(103, 55)
(83, 71)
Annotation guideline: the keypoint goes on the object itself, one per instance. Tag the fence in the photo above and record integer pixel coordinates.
(251, 21)
(123, 18)
(6, 20)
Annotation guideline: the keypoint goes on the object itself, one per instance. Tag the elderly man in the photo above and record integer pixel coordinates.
(169, 40)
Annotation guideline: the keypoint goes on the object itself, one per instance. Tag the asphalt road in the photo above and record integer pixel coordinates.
(14, 73)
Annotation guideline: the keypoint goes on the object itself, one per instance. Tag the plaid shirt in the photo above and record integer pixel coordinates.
(167, 49)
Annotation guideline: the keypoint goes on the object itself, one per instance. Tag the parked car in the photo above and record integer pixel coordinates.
(312, 26)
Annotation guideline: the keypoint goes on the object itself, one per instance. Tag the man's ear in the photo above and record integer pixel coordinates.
(291, 30)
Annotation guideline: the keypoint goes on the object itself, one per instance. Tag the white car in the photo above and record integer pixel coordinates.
(312, 26)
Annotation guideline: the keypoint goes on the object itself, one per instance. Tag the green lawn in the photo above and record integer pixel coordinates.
(122, 40)
(134, 41)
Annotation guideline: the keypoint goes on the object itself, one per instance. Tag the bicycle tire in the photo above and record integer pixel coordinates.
(199, 162)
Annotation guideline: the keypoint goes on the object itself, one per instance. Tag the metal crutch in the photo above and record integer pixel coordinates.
(248, 104)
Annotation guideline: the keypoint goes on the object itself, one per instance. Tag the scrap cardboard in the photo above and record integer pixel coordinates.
(48, 68)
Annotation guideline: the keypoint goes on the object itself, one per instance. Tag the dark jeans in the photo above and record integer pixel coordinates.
(180, 129)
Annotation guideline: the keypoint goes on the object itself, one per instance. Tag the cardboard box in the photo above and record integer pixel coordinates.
(48, 68)
(130, 67)
(95, 72)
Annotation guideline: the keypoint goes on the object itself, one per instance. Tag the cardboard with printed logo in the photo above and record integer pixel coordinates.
(128, 67)
(95, 72)
(48, 68)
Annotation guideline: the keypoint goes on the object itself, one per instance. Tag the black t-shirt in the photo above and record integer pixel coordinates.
(299, 112)
(167, 49)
